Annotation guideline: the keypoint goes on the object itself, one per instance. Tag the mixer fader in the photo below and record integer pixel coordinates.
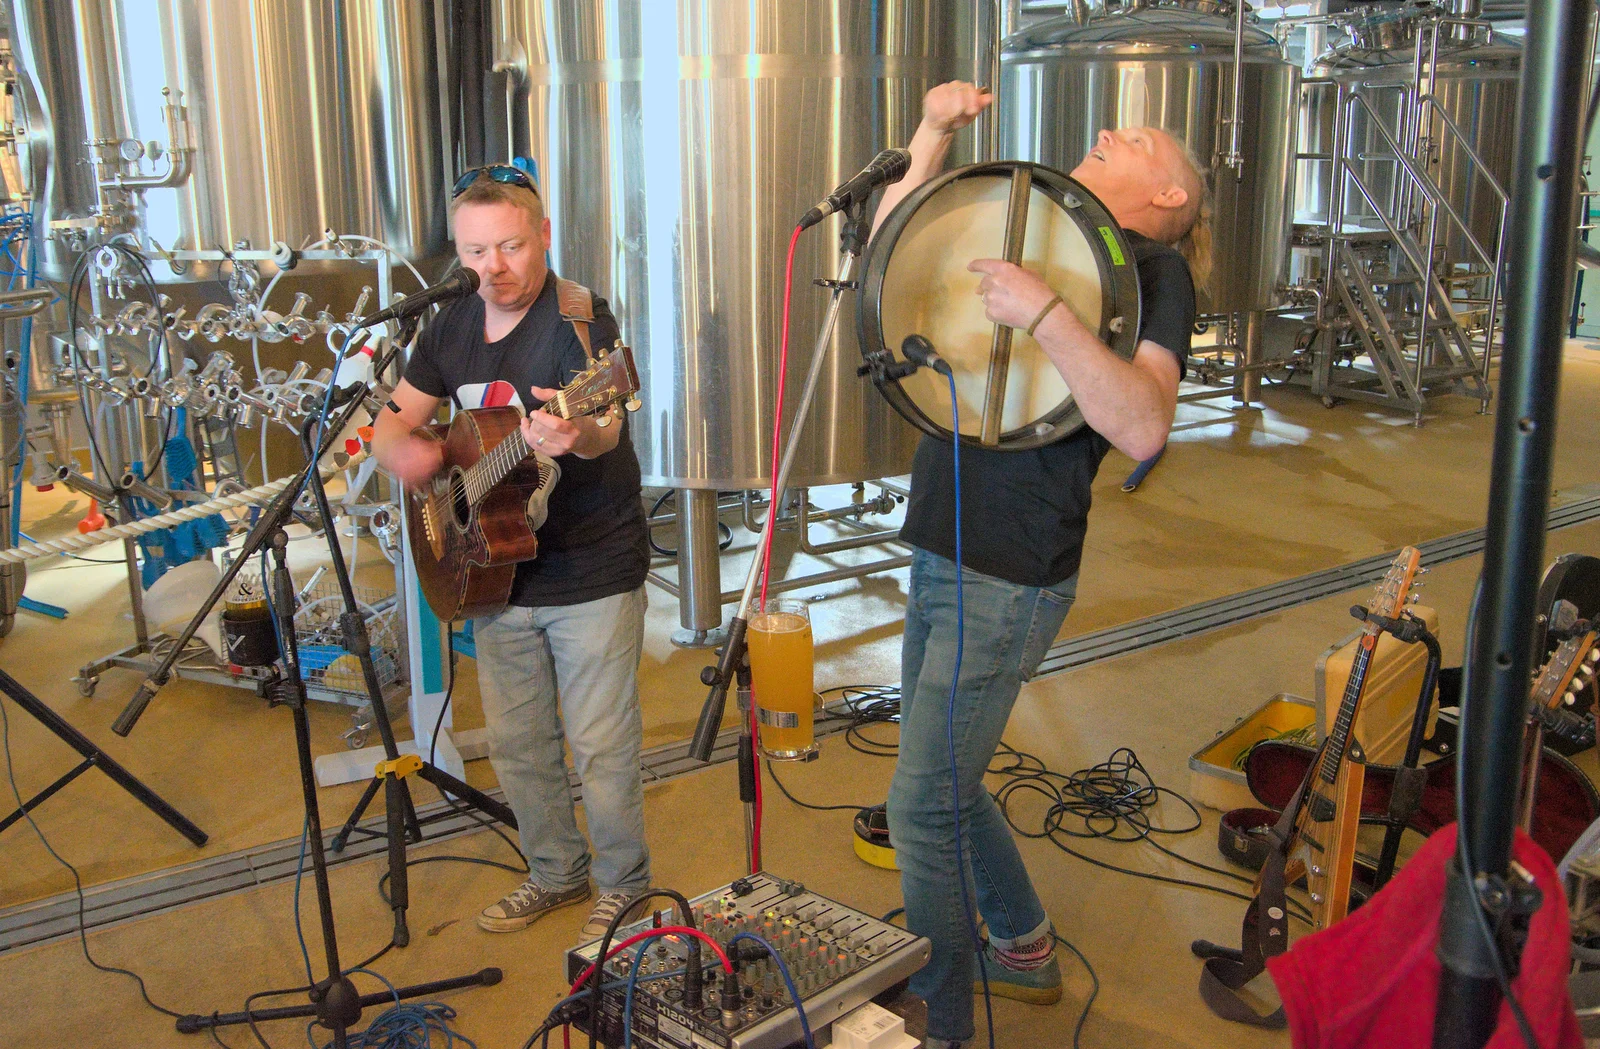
(837, 957)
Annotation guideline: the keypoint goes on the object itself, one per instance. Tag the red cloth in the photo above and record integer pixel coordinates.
(1373, 979)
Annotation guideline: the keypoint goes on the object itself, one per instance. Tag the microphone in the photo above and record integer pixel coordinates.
(889, 166)
(920, 351)
(458, 284)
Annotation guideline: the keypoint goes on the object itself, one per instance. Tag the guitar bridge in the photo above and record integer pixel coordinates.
(1322, 809)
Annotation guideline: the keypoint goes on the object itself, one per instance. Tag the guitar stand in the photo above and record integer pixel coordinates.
(1405, 798)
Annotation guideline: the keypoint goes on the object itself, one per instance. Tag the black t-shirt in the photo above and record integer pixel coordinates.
(593, 543)
(1025, 513)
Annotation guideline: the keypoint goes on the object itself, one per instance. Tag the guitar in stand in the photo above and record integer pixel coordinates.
(1558, 801)
(1565, 675)
(1316, 835)
(469, 526)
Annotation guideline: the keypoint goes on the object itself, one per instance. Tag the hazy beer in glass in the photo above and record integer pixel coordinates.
(781, 667)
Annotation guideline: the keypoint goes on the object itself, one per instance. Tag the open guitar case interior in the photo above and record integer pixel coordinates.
(1242, 836)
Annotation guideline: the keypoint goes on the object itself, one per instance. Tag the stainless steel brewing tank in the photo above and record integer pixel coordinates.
(1476, 84)
(304, 116)
(678, 144)
(1168, 65)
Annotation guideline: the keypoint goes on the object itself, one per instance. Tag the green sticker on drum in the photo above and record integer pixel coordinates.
(1111, 245)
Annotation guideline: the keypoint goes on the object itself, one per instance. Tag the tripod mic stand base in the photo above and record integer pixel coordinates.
(194, 1023)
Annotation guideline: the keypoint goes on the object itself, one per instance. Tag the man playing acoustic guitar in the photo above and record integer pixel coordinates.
(561, 662)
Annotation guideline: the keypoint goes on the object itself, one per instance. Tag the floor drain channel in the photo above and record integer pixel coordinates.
(1193, 620)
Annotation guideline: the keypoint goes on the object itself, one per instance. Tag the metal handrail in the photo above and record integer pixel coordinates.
(1500, 236)
(1418, 178)
(1436, 198)
(1461, 138)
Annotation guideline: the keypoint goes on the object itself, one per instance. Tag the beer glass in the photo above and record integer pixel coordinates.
(779, 641)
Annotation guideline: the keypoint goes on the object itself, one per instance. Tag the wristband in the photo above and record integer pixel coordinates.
(1052, 304)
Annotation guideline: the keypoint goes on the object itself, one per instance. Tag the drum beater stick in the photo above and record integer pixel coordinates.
(734, 661)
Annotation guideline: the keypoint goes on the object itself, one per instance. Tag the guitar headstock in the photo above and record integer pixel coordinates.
(1394, 592)
(1567, 672)
(611, 379)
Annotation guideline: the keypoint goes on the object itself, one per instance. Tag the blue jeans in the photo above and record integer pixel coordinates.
(1009, 628)
(569, 672)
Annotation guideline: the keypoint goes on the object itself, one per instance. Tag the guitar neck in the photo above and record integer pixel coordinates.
(499, 461)
(1339, 738)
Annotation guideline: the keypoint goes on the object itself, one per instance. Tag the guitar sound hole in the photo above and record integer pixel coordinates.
(458, 500)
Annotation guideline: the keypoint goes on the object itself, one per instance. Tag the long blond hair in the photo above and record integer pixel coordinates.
(1195, 240)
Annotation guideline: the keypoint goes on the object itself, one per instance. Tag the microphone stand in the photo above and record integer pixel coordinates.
(1488, 903)
(734, 664)
(334, 1001)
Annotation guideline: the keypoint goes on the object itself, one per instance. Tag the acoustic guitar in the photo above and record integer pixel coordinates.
(1558, 802)
(1323, 843)
(469, 526)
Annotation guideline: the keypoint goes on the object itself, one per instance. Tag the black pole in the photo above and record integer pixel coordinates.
(1500, 657)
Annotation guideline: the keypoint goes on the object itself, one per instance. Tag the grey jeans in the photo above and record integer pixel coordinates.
(569, 672)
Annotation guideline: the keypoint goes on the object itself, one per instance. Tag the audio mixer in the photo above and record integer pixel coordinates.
(838, 958)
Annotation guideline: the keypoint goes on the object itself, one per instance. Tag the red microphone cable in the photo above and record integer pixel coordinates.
(772, 518)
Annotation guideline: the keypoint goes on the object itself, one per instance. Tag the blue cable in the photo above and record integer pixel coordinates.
(950, 722)
(327, 405)
(401, 1026)
(299, 872)
(783, 970)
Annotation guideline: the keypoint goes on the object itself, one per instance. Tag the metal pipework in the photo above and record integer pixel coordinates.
(84, 486)
(133, 484)
(1233, 158)
(699, 568)
(295, 324)
(14, 305)
(212, 321)
(179, 150)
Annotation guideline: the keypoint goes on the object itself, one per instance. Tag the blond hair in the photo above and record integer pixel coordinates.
(1192, 227)
(485, 190)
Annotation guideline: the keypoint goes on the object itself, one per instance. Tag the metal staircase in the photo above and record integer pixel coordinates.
(1413, 342)
(1396, 300)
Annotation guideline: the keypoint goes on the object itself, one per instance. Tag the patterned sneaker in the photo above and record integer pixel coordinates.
(605, 909)
(527, 905)
(1041, 986)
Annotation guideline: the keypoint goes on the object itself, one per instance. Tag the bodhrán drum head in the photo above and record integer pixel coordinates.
(917, 282)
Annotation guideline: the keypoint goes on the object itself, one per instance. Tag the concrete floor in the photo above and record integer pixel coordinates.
(1240, 501)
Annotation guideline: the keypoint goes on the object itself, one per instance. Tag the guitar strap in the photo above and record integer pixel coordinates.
(576, 304)
(1228, 981)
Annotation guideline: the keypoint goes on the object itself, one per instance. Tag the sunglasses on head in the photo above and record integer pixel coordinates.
(503, 173)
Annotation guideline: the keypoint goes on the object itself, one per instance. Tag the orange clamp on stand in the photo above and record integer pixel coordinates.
(399, 768)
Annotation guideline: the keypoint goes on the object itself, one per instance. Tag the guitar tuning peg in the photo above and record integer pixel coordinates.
(633, 404)
(1411, 599)
(1422, 570)
(1593, 656)
(603, 420)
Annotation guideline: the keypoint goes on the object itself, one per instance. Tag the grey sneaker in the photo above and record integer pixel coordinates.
(605, 909)
(526, 905)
